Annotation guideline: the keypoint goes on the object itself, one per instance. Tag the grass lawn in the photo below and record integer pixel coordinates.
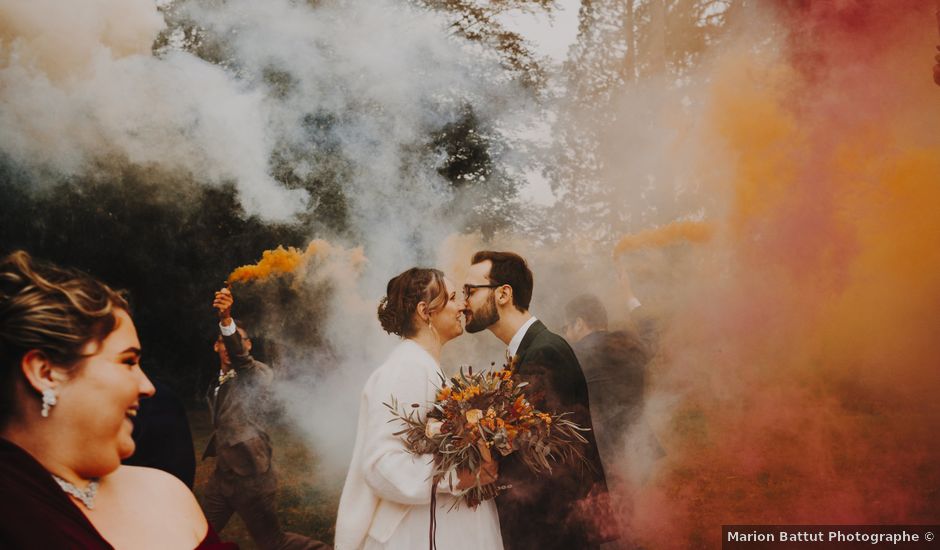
(306, 504)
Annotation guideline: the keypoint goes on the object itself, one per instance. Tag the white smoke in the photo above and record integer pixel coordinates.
(381, 76)
(79, 87)
(365, 82)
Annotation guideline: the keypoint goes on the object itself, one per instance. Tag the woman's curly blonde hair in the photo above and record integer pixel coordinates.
(51, 309)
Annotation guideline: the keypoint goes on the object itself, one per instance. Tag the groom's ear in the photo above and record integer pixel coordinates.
(504, 295)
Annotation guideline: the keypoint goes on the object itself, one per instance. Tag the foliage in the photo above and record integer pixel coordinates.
(170, 250)
(461, 145)
(641, 53)
(479, 22)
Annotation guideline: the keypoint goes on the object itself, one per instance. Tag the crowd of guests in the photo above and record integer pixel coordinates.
(76, 406)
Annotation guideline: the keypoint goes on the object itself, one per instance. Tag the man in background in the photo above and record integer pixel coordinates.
(243, 480)
(162, 435)
(614, 365)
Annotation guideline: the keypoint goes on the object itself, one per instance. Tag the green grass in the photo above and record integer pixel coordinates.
(306, 504)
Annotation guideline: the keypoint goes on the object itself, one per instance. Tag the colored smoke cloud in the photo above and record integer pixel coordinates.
(803, 357)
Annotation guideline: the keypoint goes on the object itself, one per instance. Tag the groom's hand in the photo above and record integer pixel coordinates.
(466, 479)
(488, 472)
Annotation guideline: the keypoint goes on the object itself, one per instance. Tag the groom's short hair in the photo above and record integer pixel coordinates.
(510, 269)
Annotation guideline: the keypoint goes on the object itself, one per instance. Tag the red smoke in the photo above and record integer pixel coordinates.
(807, 363)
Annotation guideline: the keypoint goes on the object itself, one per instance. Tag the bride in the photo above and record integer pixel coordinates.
(387, 496)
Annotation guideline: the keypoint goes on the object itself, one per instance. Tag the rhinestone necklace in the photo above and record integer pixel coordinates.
(86, 496)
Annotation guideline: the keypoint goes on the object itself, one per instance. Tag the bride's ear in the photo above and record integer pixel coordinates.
(423, 313)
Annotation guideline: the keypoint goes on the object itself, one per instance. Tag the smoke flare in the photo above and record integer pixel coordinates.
(290, 261)
(673, 233)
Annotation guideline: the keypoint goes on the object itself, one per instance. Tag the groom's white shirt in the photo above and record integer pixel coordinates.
(384, 480)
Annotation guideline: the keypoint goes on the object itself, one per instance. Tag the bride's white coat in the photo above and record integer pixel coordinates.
(387, 495)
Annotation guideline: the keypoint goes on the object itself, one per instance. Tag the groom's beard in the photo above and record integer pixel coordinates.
(485, 317)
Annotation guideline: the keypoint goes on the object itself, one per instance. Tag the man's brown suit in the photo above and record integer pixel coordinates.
(243, 480)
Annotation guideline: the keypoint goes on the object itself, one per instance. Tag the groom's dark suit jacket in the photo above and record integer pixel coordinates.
(566, 509)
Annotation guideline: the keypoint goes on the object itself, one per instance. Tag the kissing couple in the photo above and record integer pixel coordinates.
(387, 498)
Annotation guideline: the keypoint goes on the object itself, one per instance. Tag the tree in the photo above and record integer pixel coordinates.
(639, 53)
(479, 22)
(169, 242)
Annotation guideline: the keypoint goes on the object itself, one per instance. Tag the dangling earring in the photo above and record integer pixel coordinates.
(49, 399)
(433, 330)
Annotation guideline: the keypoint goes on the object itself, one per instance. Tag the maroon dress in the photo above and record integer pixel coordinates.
(35, 513)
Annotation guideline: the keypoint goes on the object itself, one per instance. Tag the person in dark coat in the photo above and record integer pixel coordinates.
(161, 432)
(243, 480)
(569, 508)
(614, 364)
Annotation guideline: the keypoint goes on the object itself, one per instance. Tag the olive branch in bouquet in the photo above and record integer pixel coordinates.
(478, 412)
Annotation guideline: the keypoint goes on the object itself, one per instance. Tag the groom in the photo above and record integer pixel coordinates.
(568, 509)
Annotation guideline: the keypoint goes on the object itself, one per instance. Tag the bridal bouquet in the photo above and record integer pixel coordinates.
(478, 412)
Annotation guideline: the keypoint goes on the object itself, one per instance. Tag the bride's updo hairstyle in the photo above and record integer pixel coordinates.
(402, 295)
(47, 308)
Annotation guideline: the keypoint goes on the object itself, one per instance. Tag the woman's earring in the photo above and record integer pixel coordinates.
(49, 399)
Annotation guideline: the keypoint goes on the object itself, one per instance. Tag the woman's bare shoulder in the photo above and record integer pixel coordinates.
(162, 491)
(149, 477)
(145, 508)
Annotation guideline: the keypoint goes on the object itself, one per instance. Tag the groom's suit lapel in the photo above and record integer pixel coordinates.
(537, 328)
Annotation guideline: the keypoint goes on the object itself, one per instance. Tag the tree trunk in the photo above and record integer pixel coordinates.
(657, 38)
(629, 60)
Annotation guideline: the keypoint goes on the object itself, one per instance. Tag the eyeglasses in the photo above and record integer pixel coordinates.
(468, 289)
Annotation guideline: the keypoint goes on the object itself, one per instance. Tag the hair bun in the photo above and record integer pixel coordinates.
(387, 317)
(403, 294)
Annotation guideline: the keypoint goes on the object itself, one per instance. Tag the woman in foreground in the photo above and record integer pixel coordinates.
(386, 502)
(70, 386)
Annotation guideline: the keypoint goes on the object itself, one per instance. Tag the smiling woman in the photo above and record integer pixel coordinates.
(70, 387)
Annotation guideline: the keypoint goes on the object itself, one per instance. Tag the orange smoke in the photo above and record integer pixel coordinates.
(806, 363)
(673, 233)
(279, 261)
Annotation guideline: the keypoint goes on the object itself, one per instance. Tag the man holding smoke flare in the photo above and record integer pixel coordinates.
(243, 480)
